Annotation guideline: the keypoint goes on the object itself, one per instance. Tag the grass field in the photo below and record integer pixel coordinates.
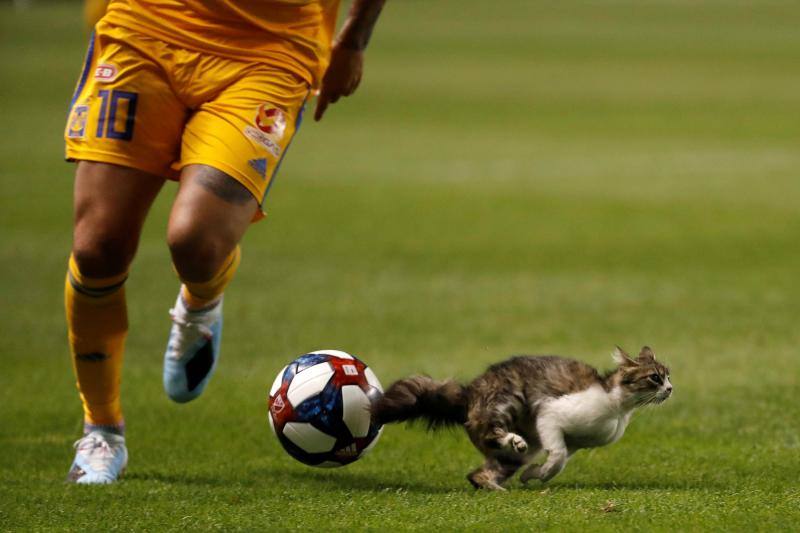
(512, 177)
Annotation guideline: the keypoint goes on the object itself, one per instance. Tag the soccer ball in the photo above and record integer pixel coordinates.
(319, 408)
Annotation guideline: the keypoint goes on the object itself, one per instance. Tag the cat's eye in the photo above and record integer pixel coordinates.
(655, 378)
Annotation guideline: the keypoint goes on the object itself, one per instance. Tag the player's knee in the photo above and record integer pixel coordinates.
(196, 254)
(99, 254)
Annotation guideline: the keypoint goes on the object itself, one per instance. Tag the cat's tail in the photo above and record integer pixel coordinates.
(440, 403)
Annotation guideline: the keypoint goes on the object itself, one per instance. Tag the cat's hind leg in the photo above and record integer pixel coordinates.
(494, 472)
(484, 478)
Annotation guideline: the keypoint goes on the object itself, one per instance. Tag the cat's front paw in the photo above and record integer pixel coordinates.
(516, 443)
(556, 461)
(532, 472)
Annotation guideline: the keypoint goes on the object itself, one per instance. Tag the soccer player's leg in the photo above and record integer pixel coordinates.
(232, 147)
(124, 130)
(111, 203)
(208, 219)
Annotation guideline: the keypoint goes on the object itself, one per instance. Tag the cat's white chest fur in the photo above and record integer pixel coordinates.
(592, 417)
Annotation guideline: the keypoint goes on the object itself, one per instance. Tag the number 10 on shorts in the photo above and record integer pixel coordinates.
(117, 115)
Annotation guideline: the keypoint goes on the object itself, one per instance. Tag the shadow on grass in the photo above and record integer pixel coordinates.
(269, 477)
(633, 485)
(183, 479)
(365, 482)
(344, 480)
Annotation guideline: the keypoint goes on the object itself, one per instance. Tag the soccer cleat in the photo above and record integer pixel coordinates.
(192, 350)
(100, 457)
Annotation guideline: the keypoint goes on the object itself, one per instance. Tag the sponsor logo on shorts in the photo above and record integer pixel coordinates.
(106, 72)
(271, 121)
(259, 137)
(260, 166)
(77, 122)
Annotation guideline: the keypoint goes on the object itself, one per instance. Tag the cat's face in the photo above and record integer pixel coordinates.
(645, 380)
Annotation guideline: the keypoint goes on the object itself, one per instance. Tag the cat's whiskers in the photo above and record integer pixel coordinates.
(647, 399)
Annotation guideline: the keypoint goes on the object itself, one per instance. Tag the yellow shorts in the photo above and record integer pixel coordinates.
(149, 105)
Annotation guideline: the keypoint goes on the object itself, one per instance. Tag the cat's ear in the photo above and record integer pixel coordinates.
(647, 354)
(621, 358)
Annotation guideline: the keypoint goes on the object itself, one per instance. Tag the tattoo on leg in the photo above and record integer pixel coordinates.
(223, 185)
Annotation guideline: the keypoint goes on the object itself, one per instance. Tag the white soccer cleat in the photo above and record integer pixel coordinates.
(100, 457)
(192, 350)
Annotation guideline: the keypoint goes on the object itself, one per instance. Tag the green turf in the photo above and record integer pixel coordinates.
(512, 177)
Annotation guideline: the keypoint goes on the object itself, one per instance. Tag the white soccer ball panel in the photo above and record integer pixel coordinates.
(308, 383)
(355, 410)
(308, 438)
(272, 423)
(372, 379)
(373, 443)
(335, 353)
(277, 383)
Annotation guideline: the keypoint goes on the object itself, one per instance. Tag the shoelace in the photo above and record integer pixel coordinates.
(97, 453)
(185, 326)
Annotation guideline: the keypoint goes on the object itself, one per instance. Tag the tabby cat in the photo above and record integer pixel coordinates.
(529, 404)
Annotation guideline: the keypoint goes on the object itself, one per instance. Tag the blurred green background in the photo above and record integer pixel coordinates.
(512, 177)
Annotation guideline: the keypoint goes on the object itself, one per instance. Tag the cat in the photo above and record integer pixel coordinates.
(529, 404)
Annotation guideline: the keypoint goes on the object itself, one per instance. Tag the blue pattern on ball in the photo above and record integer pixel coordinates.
(309, 360)
(301, 363)
(323, 411)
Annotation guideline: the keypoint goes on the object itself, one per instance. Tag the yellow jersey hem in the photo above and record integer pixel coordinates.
(98, 156)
